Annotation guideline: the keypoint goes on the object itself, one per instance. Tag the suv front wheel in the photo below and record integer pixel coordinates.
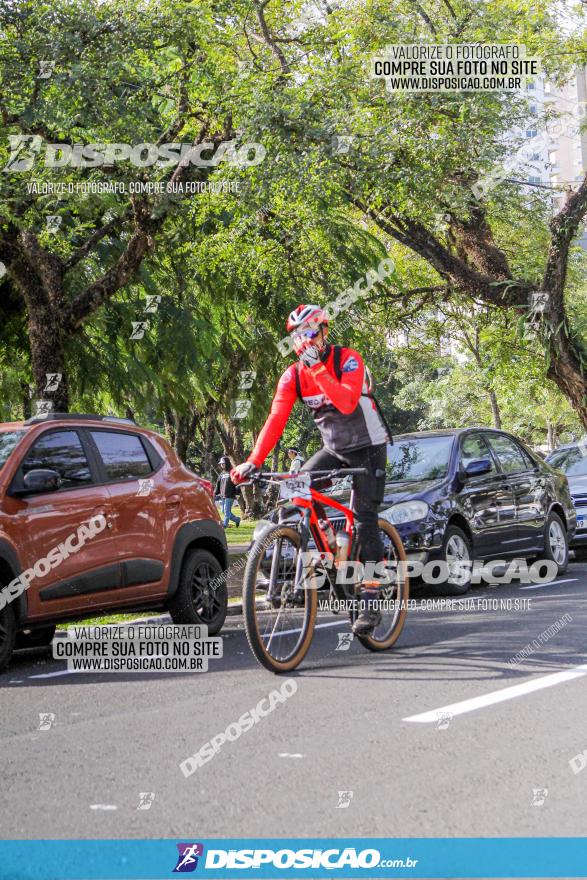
(198, 599)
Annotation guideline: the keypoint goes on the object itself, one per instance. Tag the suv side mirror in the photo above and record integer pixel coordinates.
(39, 480)
(477, 468)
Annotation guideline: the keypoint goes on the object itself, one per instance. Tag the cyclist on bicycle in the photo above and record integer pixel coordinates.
(331, 382)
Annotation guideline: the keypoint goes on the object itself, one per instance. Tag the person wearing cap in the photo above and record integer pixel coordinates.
(295, 456)
(226, 492)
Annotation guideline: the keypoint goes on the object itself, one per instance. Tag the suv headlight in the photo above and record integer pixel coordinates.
(405, 511)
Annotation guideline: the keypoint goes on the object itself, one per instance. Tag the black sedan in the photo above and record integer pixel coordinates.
(571, 459)
(476, 493)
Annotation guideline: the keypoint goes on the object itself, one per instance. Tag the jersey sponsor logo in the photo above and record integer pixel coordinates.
(286, 377)
(316, 401)
(350, 365)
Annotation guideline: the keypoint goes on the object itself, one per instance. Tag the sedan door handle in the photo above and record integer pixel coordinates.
(173, 501)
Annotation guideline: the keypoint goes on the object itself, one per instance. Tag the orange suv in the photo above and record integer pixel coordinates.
(97, 514)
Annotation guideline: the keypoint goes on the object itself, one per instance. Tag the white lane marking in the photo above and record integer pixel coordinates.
(550, 584)
(510, 693)
(54, 674)
(103, 807)
(288, 755)
(288, 632)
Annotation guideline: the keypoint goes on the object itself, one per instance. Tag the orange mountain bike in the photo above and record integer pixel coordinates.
(290, 561)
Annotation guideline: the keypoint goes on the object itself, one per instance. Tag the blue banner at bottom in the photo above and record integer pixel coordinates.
(293, 857)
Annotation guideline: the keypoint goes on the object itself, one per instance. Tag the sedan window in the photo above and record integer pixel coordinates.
(475, 448)
(572, 461)
(509, 453)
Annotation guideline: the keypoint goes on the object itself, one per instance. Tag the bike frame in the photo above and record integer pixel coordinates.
(314, 522)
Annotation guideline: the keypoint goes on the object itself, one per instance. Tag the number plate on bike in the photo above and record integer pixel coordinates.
(295, 487)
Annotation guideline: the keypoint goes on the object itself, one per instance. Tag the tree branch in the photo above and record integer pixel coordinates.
(269, 40)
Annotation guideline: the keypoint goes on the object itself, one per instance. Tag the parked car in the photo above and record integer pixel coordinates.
(571, 459)
(473, 493)
(108, 518)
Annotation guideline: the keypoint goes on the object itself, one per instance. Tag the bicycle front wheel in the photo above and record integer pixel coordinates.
(279, 604)
(394, 596)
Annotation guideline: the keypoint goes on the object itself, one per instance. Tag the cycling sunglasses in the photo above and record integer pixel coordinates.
(306, 334)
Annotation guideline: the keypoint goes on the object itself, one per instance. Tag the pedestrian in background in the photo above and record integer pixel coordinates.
(295, 456)
(226, 492)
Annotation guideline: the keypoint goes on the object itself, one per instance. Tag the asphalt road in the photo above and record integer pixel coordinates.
(430, 738)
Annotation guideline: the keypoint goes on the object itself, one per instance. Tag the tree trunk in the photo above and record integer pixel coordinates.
(183, 434)
(48, 356)
(494, 408)
(569, 372)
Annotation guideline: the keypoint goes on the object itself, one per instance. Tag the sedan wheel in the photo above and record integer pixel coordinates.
(457, 554)
(556, 546)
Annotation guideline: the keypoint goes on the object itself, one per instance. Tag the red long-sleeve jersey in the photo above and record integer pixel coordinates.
(343, 409)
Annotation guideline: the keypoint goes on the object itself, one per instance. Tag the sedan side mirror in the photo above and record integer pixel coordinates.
(477, 468)
(40, 480)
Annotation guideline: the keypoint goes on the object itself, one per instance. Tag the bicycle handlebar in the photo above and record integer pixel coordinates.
(337, 472)
(279, 475)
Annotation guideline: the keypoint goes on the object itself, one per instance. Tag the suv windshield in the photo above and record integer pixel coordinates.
(419, 458)
(8, 440)
(572, 461)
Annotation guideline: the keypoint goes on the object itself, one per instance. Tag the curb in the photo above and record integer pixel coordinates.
(237, 549)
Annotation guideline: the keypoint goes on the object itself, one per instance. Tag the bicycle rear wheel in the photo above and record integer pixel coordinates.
(394, 596)
(279, 617)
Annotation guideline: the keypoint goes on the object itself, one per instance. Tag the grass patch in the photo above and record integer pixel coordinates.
(110, 618)
(243, 534)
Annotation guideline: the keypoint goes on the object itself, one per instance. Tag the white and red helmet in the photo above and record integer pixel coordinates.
(306, 316)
